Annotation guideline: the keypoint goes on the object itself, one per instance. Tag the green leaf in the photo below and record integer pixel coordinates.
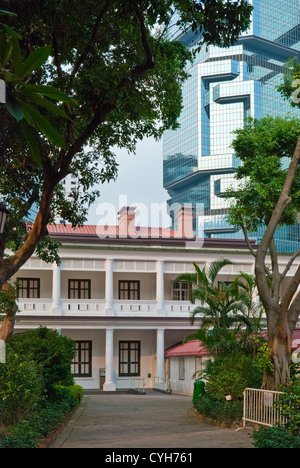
(6, 52)
(7, 13)
(16, 55)
(35, 60)
(34, 116)
(13, 107)
(32, 142)
(51, 92)
(41, 101)
(11, 77)
(10, 31)
(54, 93)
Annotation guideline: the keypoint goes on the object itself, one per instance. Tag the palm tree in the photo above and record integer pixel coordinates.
(228, 311)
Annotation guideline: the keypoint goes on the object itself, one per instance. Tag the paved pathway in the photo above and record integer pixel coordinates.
(154, 420)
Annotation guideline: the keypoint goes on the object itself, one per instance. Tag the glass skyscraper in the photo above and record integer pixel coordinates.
(227, 85)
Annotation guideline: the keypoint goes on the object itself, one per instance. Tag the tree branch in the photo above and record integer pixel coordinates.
(275, 271)
(283, 202)
(91, 42)
(293, 313)
(289, 264)
(247, 240)
(291, 289)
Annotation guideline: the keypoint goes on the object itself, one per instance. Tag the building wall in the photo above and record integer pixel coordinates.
(157, 321)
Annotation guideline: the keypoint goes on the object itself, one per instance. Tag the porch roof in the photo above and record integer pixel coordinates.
(190, 348)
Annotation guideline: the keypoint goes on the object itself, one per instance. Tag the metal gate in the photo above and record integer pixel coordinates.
(262, 407)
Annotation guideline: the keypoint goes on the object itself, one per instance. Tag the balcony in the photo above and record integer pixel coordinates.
(96, 308)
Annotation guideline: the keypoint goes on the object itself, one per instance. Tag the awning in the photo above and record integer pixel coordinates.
(190, 348)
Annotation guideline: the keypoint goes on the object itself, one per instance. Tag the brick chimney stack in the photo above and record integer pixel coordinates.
(185, 217)
(127, 222)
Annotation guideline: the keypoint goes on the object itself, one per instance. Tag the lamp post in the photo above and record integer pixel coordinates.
(3, 215)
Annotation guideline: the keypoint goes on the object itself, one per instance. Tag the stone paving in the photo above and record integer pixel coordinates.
(154, 420)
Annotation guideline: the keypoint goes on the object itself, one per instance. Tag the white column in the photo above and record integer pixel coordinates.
(109, 384)
(160, 287)
(109, 287)
(160, 352)
(56, 302)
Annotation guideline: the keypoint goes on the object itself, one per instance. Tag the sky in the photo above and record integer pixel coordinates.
(140, 184)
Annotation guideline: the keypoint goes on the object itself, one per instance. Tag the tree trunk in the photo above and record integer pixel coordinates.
(280, 357)
(7, 327)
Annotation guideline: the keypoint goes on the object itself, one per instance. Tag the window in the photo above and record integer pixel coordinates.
(181, 368)
(129, 358)
(79, 289)
(129, 290)
(182, 291)
(28, 288)
(82, 363)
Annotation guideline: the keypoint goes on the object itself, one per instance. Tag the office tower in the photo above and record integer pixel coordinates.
(227, 85)
(70, 187)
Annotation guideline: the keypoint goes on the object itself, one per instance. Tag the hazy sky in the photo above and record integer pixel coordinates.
(140, 184)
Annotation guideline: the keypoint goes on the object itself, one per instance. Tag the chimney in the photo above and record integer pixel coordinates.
(185, 217)
(127, 222)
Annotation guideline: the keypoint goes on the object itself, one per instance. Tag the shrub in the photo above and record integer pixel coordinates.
(230, 374)
(30, 432)
(20, 387)
(275, 437)
(52, 351)
(72, 395)
(221, 411)
(290, 403)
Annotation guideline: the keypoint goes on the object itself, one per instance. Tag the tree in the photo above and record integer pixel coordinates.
(229, 313)
(115, 60)
(20, 94)
(269, 150)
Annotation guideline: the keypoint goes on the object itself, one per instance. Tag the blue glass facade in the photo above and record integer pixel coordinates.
(225, 86)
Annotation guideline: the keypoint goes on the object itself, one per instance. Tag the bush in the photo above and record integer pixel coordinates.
(37, 388)
(221, 411)
(71, 395)
(20, 387)
(30, 432)
(52, 351)
(275, 437)
(290, 403)
(230, 374)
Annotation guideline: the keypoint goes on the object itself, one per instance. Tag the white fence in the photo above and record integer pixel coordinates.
(138, 384)
(159, 383)
(262, 407)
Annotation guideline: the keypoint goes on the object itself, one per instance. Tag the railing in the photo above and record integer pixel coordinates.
(182, 308)
(138, 384)
(262, 407)
(83, 306)
(96, 307)
(160, 383)
(130, 307)
(28, 306)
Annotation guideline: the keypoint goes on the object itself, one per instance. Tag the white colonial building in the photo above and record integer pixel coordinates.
(114, 295)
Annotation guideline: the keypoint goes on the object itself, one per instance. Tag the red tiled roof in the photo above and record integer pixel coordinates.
(110, 231)
(190, 348)
(195, 347)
